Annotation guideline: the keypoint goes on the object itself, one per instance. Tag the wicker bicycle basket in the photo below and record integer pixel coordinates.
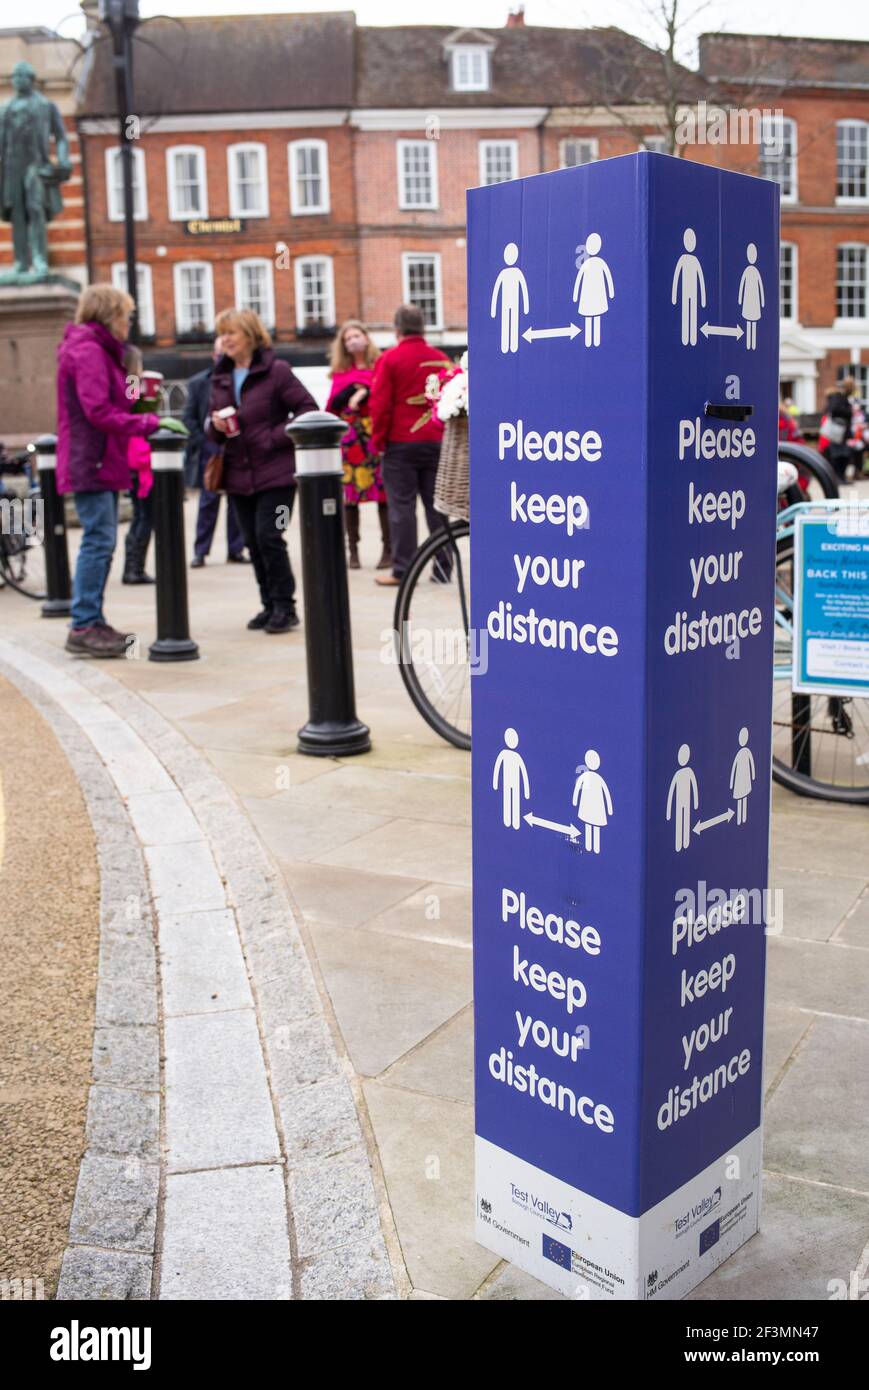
(452, 486)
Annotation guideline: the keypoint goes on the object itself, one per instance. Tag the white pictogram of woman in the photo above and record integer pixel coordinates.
(592, 289)
(742, 775)
(751, 298)
(591, 796)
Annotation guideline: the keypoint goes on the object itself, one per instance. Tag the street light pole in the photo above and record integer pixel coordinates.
(121, 17)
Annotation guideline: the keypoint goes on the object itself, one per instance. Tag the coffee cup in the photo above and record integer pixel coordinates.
(151, 385)
(229, 416)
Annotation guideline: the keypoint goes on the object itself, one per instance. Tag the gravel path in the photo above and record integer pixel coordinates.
(49, 925)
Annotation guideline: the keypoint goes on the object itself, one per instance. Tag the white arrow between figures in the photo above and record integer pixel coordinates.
(715, 820)
(571, 830)
(571, 331)
(715, 330)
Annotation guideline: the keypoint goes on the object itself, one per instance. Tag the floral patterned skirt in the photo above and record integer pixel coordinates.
(362, 480)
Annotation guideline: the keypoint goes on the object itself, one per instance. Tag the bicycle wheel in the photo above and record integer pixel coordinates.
(22, 563)
(816, 476)
(820, 743)
(432, 619)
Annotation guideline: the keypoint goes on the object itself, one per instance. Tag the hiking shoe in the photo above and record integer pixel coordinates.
(260, 620)
(96, 640)
(281, 620)
(125, 637)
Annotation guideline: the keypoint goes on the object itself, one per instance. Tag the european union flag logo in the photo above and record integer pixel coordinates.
(556, 1252)
(710, 1236)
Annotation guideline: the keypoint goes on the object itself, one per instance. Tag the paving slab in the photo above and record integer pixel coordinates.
(784, 1030)
(435, 912)
(426, 1148)
(816, 1118)
(809, 1236)
(115, 1203)
(218, 1108)
(827, 979)
(390, 994)
(815, 903)
(201, 963)
(335, 897)
(356, 1272)
(333, 1203)
(104, 1276)
(411, 848)
(854, 931)
(226, 1236)
(442, 1065)
(162, 818)
(184, 878)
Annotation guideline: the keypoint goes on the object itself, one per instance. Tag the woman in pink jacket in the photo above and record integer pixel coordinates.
(95, 424)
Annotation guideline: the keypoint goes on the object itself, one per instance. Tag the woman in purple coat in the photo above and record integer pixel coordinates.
(259, 468)
(95, 424)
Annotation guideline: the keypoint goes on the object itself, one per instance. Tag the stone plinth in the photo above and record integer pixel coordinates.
(32, 320)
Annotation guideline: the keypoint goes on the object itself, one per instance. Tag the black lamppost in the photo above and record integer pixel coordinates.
(121, 18)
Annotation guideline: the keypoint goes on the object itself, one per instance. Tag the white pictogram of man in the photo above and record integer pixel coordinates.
(511, 771)
(683, 798)
(688, 281)
(742, 775)
(509, 286)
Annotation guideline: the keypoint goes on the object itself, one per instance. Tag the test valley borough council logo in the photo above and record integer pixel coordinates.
(539, 1206)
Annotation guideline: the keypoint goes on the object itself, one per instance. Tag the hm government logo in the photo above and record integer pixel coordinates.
(538, 1206)
(652, 1279)
(485, 1207)
(699, 1210)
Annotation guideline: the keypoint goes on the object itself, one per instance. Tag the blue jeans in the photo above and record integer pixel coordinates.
(98, 514)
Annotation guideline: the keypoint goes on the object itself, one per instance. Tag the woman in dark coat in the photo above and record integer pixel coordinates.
(259, 470)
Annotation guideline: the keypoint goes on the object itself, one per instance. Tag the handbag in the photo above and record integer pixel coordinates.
(212, 476)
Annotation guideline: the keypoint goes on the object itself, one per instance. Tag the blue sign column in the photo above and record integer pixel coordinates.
(624, 368)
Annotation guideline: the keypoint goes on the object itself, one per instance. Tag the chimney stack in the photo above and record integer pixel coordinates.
(516, 18)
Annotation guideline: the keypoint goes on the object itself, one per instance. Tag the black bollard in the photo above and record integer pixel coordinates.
(59, 589)
(332, 730)
(173, 642)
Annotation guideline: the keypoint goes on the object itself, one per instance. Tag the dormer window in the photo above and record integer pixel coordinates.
(470, 68)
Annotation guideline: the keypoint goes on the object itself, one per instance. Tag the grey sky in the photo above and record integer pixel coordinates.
(789, 17)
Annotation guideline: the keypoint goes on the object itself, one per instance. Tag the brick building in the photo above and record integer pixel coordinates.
(818, 152)
(316, 169)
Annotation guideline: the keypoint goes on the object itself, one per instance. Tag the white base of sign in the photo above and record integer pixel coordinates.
(588, 1250)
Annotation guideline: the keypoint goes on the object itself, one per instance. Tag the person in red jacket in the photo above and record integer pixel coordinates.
(259, 463)
(407, 434)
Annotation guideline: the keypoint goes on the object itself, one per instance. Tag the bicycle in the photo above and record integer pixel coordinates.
(820, 742)
(816, 477)
(22, 554)
(432, 632)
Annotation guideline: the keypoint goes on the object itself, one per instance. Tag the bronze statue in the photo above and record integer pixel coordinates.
(29, 183)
